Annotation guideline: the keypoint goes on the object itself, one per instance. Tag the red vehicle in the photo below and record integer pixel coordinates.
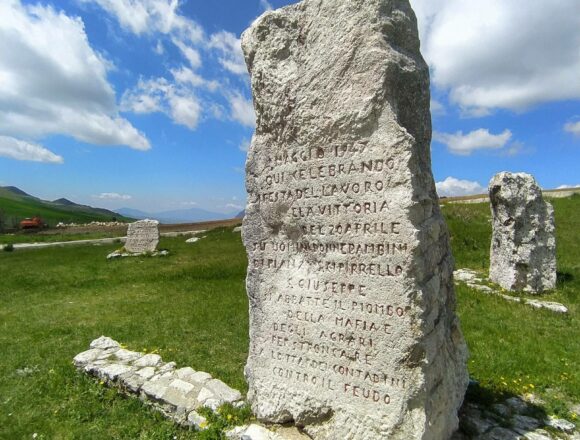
(32, 223)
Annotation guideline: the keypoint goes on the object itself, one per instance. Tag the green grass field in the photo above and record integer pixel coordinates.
(191, 308)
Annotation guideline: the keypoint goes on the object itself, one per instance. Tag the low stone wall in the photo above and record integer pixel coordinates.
(178, 393)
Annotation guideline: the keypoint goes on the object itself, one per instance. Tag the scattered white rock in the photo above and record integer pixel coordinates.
(500, 433)
(524, 423)
(253, 432)
(119, 254)
(104, 342)
(473, 280)
(538, 434)
(466, 275)
(196, 420)
(148, 360)
(125, 356)
(561, 425)
(237, 229)
(192, 240)
(87, 356)
(552, 306)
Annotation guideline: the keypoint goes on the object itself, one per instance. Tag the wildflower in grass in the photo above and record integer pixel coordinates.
(203, 425)
(531, 385)
(229, 417)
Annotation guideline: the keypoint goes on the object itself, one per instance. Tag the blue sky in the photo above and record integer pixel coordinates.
(146, 103)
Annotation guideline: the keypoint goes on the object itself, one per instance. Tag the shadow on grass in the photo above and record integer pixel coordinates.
(481, 410)
(563, 278)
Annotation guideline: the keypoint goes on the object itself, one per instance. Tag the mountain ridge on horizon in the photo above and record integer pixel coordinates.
(16, 204)
(190, 215)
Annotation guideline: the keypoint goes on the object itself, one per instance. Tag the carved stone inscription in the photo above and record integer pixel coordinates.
(142, 236)
(329, 317)
(352, 329)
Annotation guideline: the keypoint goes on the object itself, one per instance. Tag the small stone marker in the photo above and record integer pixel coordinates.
(142, 236)
(353, 333)
(523, 243)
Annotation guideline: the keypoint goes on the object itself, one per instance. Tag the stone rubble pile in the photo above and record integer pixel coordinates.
(475, 281)
(194, 239)
(177, 393)
(121, 254)
(94, 223)
(181, 233)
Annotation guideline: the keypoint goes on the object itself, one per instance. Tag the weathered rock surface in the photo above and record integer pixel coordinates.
(523, 244)
(353, 330)
(142, 236)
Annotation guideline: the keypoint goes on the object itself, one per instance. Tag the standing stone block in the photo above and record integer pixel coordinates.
(142, 236)
(353, 331)
(523, 243)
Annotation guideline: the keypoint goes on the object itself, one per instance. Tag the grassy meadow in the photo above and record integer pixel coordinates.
(191, 308)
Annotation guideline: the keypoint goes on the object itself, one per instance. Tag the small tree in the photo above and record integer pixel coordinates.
(2, 220)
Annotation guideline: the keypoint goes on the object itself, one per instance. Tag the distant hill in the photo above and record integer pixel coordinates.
(177, 216)
(16, 204)
(241, 214)
(64, 202)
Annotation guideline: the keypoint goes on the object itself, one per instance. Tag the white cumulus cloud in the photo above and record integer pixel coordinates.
(181, 97)
(53, 82)
(453, 187)
(568, 186)
(437, 108)
(266, 5)
(160, 95)
(502, 53)
(242, 109)
(573, 127)
(112, 196)
(244, 145)
(152, 16)
(230, 49)
(21, 150)
(465, 144)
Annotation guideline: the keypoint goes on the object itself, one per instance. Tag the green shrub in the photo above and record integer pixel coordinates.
(8, 247)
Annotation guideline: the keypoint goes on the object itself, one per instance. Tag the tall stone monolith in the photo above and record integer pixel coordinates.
(523, 242)
(353, 332)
